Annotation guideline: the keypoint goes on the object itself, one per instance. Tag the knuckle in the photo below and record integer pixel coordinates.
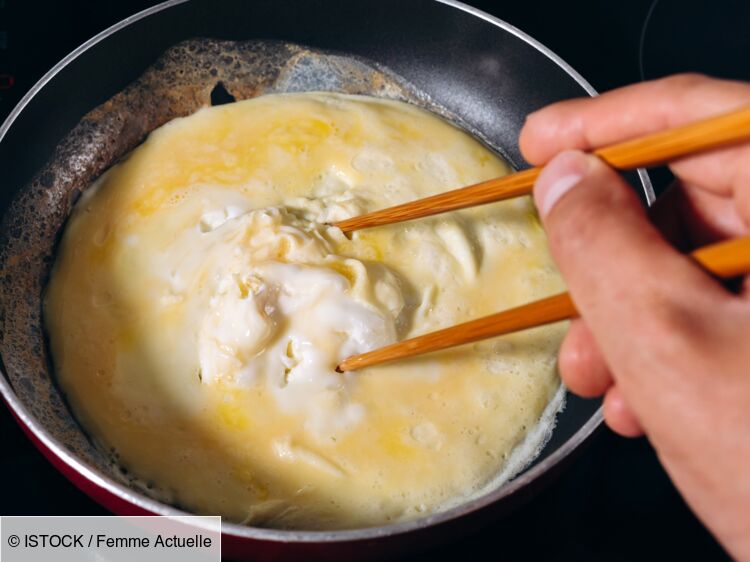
(582, 383)
(574, 379)
(621, 421)
(539, 139)
(568, 363)
(580, 369)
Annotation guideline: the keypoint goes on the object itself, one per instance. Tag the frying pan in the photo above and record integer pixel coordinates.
(476, 70)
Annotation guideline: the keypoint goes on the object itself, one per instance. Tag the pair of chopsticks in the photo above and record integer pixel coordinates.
(726, 259)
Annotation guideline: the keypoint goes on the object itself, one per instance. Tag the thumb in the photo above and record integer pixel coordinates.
(627, 282)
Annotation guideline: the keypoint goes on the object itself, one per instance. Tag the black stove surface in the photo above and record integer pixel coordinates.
(614, 502)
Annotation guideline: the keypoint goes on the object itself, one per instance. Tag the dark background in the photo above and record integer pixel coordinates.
(614, 502)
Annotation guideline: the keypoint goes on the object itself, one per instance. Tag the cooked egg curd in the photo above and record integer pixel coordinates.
(200, 303)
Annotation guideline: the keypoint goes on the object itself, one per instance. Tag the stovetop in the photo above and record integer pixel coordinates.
(614, 502)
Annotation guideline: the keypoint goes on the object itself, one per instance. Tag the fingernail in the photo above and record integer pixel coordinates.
(562, 173)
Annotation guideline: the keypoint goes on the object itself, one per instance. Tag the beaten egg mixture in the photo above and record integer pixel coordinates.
(199, 305)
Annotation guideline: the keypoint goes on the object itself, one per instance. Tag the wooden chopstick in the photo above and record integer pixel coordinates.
(725, 259)
(657, 148)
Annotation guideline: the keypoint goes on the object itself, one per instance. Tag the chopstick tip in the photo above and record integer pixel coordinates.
(347, 233)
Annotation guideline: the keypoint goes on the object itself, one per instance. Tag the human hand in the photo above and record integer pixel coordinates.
(666, 344)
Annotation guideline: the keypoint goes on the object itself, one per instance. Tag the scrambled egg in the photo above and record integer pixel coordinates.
(200, 303)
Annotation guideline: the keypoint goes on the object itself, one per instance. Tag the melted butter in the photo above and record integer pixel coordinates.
(198, 306)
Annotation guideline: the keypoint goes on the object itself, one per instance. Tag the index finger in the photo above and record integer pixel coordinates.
(638, 110)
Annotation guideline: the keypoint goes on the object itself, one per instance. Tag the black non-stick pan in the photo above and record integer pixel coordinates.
(480, 72)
